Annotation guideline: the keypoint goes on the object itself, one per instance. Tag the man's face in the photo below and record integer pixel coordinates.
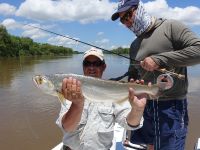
(127, 17)
(93, 66)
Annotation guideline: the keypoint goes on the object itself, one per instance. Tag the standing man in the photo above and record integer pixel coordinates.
(160, 43)
(87, 125)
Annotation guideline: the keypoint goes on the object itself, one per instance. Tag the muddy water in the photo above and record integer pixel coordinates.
(27, 116)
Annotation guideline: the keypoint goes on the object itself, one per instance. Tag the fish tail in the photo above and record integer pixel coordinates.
(155, 92)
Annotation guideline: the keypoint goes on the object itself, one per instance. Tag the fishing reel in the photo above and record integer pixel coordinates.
(165, 81)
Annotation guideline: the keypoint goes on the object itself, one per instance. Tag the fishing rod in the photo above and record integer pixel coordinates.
(136, 62)
(68, 37)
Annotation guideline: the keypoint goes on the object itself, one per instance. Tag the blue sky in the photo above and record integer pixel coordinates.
(87, 20)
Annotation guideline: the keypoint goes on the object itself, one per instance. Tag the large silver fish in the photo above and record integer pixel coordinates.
(93, 89)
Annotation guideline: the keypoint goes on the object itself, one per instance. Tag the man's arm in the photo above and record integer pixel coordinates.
(71, 89)
(138, 104)
(186, 47)
(131, 116)
(72, 118)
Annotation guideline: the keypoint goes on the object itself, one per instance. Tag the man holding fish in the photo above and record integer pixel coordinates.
(89, 125)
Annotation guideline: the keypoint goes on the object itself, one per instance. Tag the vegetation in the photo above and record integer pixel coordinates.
(13, 46)
(121, 50)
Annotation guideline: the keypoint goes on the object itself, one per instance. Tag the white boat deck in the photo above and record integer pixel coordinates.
(58, 147)
(198, 144)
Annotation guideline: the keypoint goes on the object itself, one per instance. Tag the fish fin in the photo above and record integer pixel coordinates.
(122, 100)
(61, 98)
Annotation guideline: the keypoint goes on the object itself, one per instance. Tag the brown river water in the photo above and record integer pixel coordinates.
(27, 116)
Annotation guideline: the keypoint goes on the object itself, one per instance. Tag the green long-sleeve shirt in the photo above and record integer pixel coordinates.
(172, 46)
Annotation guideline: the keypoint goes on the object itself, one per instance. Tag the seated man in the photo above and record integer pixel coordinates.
(90, 126)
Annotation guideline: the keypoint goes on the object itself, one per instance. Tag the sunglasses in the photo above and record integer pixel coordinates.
(127, 15)
(87, 63)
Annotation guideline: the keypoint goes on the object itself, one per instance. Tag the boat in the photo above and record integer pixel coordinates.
(197, 146)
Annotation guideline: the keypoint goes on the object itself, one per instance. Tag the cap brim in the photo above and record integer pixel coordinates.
(101, 58)
(115, 16)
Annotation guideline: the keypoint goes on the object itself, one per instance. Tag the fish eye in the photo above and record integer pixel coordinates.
(46, 82)
(40, 80)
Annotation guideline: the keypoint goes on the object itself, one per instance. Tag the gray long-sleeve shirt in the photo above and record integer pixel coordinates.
(172, 46)
(96, 127)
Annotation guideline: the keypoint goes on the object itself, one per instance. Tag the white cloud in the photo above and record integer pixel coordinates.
(87, 11)
(103, 41)
(62, 41)
(83, 11)
(159, 8)
(27, 31)
(125, 46)
(6, 9)
(34, 33)
(11, 24)
(100, 33)
(113, 47)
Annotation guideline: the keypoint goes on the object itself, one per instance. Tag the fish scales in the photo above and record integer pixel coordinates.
(94, 89)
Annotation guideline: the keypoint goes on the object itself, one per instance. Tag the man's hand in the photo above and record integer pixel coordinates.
(149, 64)
(71, 89)
(138, 104)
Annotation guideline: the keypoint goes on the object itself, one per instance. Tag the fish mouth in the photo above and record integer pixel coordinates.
(37, 80)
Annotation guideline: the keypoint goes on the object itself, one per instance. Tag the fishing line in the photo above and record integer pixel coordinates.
(156, 124)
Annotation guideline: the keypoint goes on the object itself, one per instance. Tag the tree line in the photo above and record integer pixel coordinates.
(121, 50)
(14, 46)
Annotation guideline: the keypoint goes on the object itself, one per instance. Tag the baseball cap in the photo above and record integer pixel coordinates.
(95, 52)
(124, 5)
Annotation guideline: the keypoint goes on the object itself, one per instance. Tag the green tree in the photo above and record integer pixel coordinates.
(121, 50)
(13, 46)
(5, 42)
